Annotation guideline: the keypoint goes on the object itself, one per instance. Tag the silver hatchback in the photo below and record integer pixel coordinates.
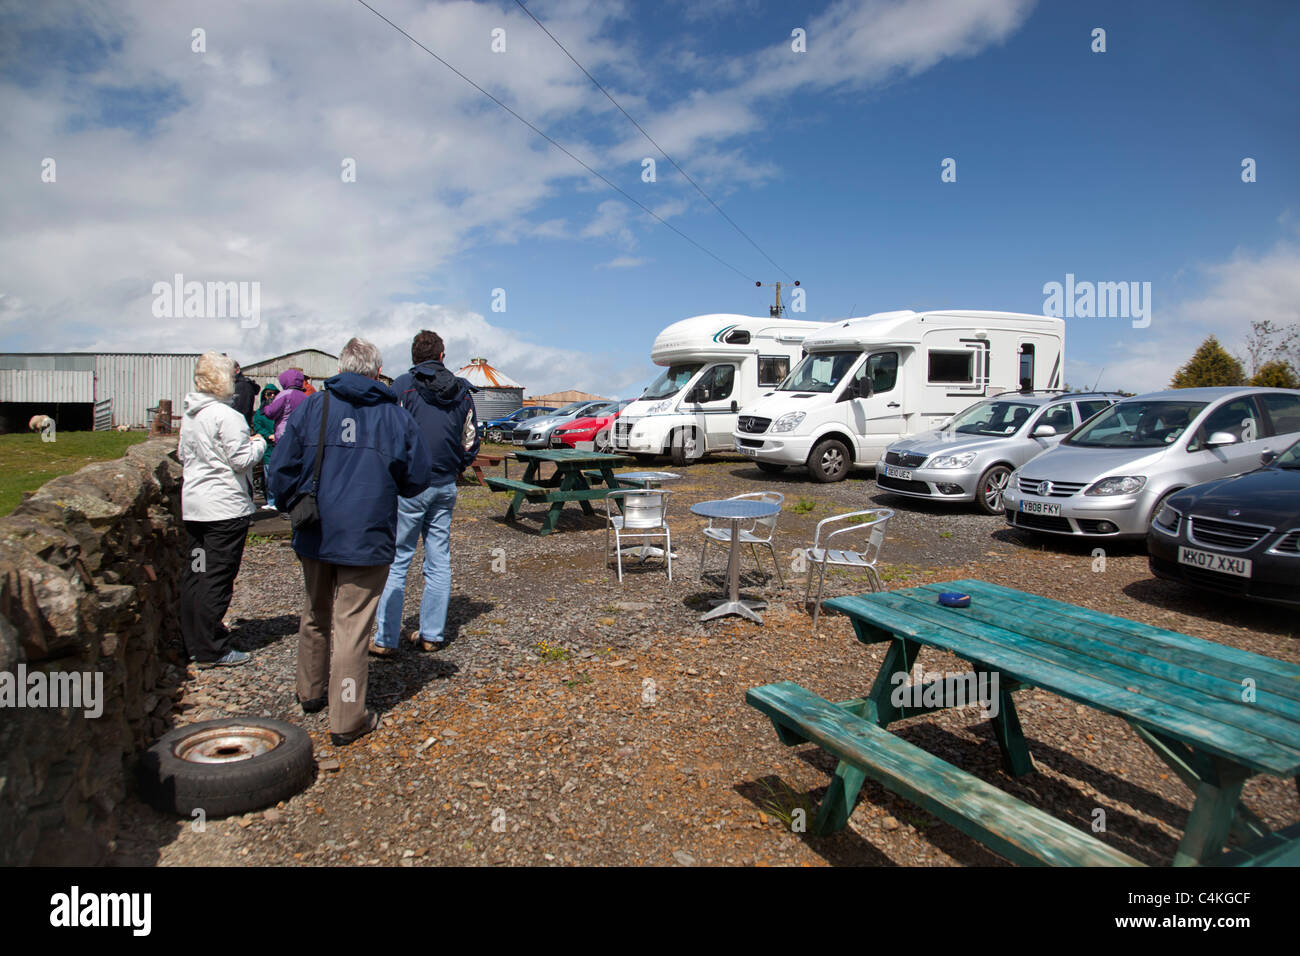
(1111, 476)
(972, 455)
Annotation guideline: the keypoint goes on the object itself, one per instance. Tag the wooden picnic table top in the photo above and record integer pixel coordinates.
(568, 456)
(1239, 706)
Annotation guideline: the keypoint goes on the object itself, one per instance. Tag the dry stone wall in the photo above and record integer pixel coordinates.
(90, 572)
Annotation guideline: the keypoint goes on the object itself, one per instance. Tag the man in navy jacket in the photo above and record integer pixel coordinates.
(374, 453)
(443, 407)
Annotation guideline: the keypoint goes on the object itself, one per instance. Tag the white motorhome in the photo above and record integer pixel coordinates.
(867, 382)
(715, 365)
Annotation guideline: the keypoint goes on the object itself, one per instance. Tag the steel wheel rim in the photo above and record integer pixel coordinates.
(230, 744)
(993, 489)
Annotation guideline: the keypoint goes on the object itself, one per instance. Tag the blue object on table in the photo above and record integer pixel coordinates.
(954, 599)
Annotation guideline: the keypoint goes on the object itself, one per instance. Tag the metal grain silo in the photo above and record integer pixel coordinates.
(498, 394)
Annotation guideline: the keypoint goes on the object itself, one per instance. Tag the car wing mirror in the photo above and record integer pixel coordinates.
(1219, 439)
(1044, 431)
(1268, 456)
(734, 406)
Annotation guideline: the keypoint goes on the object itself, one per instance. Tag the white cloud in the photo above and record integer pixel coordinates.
(624, 262)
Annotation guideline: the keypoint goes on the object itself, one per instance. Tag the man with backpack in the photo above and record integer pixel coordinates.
(444, 410)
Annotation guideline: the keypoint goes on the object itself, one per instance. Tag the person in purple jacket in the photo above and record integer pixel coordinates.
(290, 397)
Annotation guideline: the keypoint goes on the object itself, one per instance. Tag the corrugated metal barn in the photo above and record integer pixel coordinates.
(83, 390)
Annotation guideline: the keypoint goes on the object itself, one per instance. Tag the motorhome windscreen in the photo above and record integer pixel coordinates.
(819, 372)
(1137, 425)
(671, 381)
(992, 418)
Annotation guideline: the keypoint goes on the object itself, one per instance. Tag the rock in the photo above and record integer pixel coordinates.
(889, 823)
(273, 815)
(684, 858)
(328, 764)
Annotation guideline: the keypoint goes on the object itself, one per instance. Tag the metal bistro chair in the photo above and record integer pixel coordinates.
(643, 515)
(822, 554)
(759, 532)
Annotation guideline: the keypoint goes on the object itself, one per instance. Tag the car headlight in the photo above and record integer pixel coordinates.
(1167, 519)
(1123, 485)
(788, 422)
(951, 461)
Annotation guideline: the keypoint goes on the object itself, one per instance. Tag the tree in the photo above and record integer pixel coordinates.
(1275, 374)
(1269, 342)
(1211, 365)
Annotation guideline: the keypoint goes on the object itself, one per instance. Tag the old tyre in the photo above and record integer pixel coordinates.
(988, 493)
(224, 767)
(829, 461)
(771, 467)
(684, 447)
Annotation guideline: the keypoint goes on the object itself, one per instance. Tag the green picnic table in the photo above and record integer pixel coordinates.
(1216, 715)
(576, 473)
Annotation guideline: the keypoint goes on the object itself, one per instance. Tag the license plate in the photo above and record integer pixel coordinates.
(1209, 561)
(900, 473)
(1040, 508)
(751, 452)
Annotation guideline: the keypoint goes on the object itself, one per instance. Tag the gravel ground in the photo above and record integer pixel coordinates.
(574, 720)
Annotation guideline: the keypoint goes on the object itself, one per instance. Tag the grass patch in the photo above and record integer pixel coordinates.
(26, 462)
(782, 802)
(803, 506)
(583, 678)
(945, 534)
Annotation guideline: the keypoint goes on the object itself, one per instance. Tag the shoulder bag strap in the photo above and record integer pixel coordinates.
(320, 447)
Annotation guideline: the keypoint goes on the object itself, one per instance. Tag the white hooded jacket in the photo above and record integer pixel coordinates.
(218, 458)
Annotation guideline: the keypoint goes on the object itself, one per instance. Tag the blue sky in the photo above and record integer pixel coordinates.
(224, 165)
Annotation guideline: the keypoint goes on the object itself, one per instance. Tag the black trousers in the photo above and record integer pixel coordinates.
(212, 561)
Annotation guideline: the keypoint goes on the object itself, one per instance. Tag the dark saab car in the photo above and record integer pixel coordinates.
(1238, 536)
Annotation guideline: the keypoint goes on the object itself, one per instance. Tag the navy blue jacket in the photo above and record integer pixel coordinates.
(441, 404)
(373, 454)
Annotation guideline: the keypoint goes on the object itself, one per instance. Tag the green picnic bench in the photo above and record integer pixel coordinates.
(1214, 714)
(569, 483)
(1011, 828)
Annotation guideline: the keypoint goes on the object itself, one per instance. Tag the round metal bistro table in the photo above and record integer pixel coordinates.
(651, 479)
(735, 512)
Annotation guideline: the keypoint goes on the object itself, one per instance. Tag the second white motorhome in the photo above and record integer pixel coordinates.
(716, 364)
(869, 381)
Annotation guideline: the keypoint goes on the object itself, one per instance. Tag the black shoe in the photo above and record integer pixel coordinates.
(371, 724)
(313, 706)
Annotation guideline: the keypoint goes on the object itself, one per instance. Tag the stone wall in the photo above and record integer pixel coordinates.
(90, 572)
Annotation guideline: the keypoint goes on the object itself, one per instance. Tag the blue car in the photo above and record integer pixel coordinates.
(498, 429)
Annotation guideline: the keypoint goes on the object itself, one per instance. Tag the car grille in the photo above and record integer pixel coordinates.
(1228, 535)
(1060, 489)
(752, 442)
(752, 424)
(622, 431)
(1211, 579)
(905, 460)
(898, 484)
(1042, 522)
(1289, 543)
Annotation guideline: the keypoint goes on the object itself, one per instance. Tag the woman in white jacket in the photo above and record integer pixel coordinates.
(216, 504)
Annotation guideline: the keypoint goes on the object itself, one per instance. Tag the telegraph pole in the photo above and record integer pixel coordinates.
(778, 310)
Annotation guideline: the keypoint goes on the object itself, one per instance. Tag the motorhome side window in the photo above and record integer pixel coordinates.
(716, 384)
(952, 367)
(883, 371)
(772, 369)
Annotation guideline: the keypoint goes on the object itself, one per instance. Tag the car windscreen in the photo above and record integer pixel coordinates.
(1289, 458)
(568, 410)
(819, 372)
(671, 381)
(992, 418)
(1137, 424)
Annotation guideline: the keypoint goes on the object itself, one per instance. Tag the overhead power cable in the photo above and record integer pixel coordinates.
(554, 143)
(651, 139)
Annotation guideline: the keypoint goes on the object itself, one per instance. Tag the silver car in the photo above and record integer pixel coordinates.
(1111, 476)
(537, 433)
(971, 456)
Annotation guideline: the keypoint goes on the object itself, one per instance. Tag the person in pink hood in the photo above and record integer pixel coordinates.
(290, 397)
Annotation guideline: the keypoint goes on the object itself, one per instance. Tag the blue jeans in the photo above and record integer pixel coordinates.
(427, 516)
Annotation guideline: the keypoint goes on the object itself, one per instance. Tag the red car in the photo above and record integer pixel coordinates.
(595, 427)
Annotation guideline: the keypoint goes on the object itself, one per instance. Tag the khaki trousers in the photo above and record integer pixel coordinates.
(333, 636)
